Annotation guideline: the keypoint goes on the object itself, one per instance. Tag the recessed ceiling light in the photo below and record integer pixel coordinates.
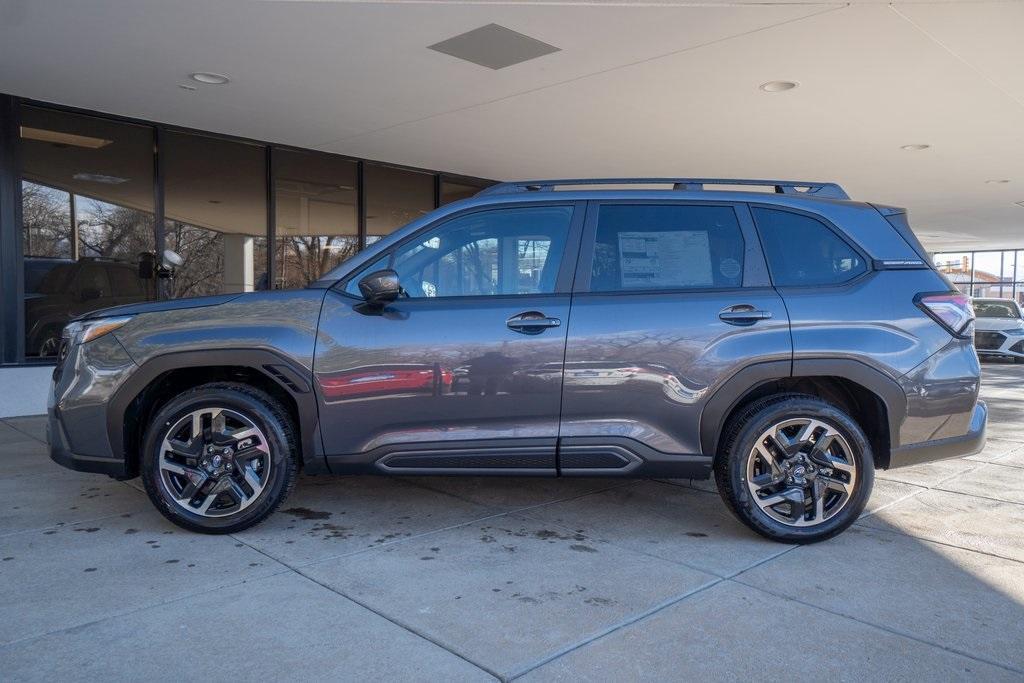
(914, 148)
(1000, 181)
(209, 78)
(778, 86)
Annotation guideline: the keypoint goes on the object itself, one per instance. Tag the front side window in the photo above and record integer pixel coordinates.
(803, 251)
(488, 253)
(650, 247)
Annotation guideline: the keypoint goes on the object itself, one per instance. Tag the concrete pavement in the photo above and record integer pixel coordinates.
(476, 578)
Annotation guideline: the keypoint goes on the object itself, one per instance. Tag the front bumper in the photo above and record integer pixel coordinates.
(61, 453)
(941, 449)
(77, 406)
(998, 344)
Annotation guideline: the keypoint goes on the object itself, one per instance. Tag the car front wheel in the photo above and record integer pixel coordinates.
(220, 458)
(795, 468)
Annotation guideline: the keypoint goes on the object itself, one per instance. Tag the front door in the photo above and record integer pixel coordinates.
(671, 300)
(464, 372)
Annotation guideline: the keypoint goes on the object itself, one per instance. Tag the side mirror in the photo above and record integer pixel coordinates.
(380, 287)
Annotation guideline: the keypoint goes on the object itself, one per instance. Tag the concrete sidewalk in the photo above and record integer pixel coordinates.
(472, 579)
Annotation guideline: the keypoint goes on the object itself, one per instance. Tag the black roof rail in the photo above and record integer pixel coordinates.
(792, 187)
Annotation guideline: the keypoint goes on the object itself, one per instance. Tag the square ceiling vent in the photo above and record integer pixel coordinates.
(494, 46)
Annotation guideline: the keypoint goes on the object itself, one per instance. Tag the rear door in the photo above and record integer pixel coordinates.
(670, 300)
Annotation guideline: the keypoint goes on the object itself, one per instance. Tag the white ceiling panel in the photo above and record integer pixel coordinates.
(644, 88)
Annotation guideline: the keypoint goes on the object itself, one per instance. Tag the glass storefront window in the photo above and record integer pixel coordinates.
(317, 224)
(46, 222)
(452, 190)
(87, 219)
(215, 211)
(394, 197)
(89, 232)
(997, 274)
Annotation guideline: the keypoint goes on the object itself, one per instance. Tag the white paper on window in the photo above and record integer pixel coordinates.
(677, 258)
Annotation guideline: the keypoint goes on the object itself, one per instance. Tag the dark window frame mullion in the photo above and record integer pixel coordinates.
(361, 203)
(73, 220)
(271, 220)
(159, 223)
(12, 263)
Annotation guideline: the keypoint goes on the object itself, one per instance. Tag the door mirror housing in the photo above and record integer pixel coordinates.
(380, 287)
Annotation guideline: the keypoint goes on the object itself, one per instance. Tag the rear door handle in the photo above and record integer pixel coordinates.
(531, 322)
(743, 314)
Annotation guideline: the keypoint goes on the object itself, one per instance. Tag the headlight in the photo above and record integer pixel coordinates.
(82, 331)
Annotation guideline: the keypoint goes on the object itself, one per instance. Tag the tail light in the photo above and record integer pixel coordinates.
(952, 310)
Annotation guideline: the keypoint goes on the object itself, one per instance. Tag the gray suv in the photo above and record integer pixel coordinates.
(787, 342)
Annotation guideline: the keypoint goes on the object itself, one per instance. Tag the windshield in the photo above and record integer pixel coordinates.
(996, 309)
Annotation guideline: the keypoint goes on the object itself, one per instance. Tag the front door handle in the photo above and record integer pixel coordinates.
(531, 322)
(743, 314)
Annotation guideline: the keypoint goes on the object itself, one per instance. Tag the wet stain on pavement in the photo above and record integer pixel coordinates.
(583, 548)
(306, 513)
(327, 531)
(603, 602)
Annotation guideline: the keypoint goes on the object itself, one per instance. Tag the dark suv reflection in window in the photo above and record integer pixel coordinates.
(57, 290)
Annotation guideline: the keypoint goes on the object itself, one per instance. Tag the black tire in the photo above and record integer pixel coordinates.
(263, 411)
(738, 441)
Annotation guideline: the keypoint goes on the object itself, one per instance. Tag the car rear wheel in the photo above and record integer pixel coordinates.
(795, 468)
(220, 458)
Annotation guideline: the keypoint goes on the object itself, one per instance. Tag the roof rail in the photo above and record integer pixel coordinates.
(793, 187)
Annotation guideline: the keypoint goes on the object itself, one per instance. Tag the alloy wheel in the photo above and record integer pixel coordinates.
(214, 462)
(801, 472)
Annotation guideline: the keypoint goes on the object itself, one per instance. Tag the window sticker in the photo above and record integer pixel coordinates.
(664, 259)
(730, 268)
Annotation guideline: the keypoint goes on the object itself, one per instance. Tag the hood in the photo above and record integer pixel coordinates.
(156, 306)
(998, 324)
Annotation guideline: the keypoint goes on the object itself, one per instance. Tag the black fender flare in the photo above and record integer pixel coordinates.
(290, 376)
(748, 378)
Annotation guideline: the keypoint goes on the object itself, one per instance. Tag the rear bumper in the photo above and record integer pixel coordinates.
(954, 447)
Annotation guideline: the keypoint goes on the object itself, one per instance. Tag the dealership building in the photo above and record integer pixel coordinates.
(264, 152)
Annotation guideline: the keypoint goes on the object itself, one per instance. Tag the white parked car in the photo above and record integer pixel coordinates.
(999, 329)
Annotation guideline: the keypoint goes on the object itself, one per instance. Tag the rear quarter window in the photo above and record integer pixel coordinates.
(803, 251)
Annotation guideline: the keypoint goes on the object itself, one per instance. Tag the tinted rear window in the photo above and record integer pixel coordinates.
(803, 251)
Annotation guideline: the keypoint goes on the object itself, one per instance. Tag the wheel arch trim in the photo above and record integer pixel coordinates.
(285, 373)
(732, 392)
